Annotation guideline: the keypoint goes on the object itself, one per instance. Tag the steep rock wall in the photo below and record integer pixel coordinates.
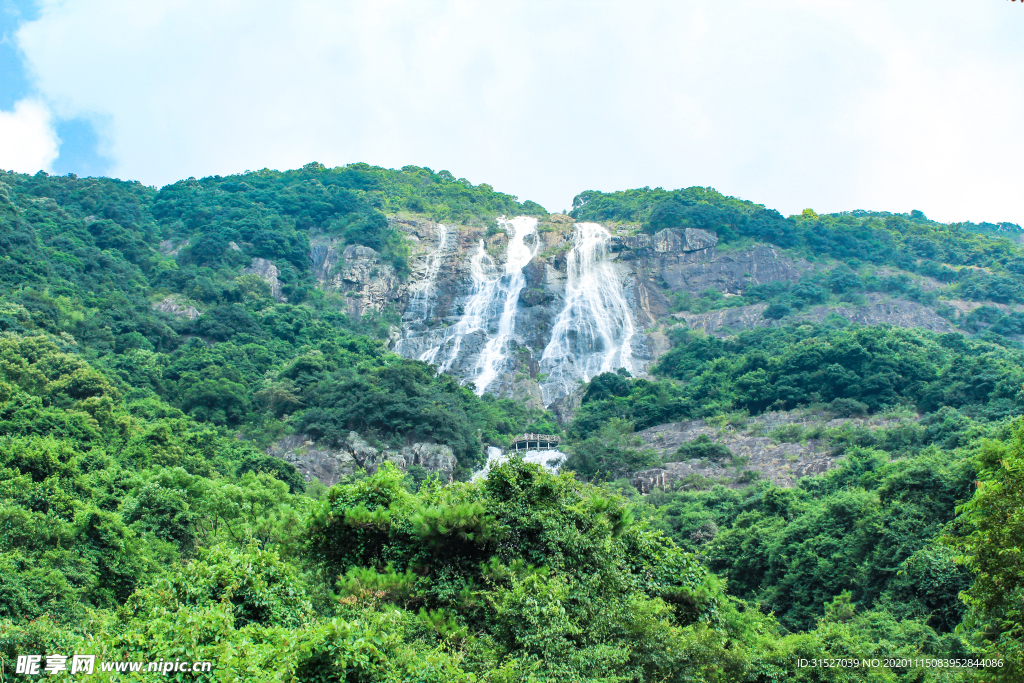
(756, 455)
(878, 309)
(451, 264)
(329, 463)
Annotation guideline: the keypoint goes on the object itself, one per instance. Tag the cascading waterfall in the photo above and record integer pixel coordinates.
(594, 331)
(483, 272)
(518, 255)
(420, 307)
(491, 308)
(549, 460)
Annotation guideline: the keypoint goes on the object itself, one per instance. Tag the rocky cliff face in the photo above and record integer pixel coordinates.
(461, 313)
(756, 454)
(329, 463)
(878, 309)
(446, 322)
(268, 272)
(175, 306)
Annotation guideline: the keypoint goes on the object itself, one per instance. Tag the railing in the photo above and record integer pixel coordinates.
(536, 442)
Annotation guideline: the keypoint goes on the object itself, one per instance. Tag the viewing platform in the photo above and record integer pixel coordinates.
(536, 442)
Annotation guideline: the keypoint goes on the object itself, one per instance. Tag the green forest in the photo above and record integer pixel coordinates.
(142, 520)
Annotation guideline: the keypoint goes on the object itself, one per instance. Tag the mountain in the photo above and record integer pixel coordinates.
(249, 409)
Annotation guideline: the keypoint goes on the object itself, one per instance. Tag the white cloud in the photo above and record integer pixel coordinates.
(829, 104)
(28, 142)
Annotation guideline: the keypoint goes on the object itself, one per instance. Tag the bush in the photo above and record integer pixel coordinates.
(703, 448)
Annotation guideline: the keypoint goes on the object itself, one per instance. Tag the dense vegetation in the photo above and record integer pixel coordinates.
(981, 262)
(850, 370)
(82, 257)
(141, 519)
(522, 576)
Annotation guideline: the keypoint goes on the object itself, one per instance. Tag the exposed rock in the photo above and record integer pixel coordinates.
(565, 408)
(965, 307)
(526, 392)
(168, 247)
(879, 309)
(730, 272)
(781, 463)
(925, 282)
(668, 241)
(315, 461)
(368, 282)
(324, 259)
(535, 297)
(267, 272)
(432, 457)
(652, 268)
(699, 239)
(898, 312)
(672, 241)
(374, 282)
(328, 463)
(174, 306)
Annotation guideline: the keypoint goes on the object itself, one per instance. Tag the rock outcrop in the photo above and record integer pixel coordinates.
(368, 282)
(173, 305)
(878, 309)
(372, 284)
(435, 296)
(169, 247)
(729, 272)
(756, 456)
(329, 464)
(668, 241)
(315, 461)
(269, 273)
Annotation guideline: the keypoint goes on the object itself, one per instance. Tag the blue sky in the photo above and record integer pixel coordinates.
(78, 150)
(14, 84)
(828, 104)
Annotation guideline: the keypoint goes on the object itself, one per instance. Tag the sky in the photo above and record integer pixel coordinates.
(827, 104)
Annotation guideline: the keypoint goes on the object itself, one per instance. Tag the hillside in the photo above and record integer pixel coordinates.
(240, 417)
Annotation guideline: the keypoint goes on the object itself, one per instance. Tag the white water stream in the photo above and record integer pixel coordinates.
(421, 302)
(491, 307)
(594, 331)
(495, 456)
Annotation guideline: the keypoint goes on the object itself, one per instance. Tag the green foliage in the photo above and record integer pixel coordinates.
(849, 371)
(609, 453)
(703, 448)
(140, 517)
(86, 261)
(990, 541)
(867, 527)
(545, 571)
(405, 399)
(910, 242)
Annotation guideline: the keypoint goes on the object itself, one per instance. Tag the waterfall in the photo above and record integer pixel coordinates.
(519, 254)
(420, 307)
(483, 272)
(490, 310)
(496, 456)
(420, 303)
(594, 331)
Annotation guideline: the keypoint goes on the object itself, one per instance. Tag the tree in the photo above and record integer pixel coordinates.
(993, 548)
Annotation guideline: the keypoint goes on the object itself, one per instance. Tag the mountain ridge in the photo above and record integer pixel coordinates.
(797, 405)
